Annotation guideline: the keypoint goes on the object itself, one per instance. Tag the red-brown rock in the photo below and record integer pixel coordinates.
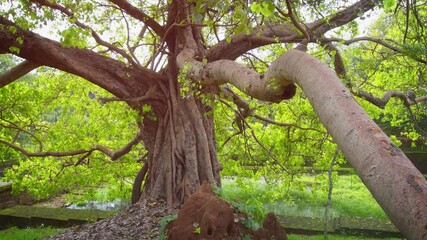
(271, 229)
(203, 216)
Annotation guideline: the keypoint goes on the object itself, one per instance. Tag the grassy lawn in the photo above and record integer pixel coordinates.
(306, 196)
(27, 233)
(333, 237)
(38, 233)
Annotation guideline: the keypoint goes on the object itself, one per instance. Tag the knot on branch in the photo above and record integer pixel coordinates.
(289, 91)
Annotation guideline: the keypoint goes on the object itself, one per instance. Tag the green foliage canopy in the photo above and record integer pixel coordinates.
(57, 112)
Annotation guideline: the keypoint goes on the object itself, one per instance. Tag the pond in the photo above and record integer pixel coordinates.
(115, 205)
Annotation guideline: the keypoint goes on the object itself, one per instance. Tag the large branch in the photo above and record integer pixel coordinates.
(321, 26)
(110, 74)
(241, 43)
(261, 36)
(67, 12)
(17, 72)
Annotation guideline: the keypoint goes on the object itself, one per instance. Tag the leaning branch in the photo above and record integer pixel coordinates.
(397, 185)
(16, 72)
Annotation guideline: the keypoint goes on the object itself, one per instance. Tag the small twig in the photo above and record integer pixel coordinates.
(243, 104)
(276, 161)
(371, 39)
(294, 20)
(128, 38)
(407, 22)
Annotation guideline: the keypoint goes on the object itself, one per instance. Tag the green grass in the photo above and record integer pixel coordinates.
(28, 233)
(305, 196)
(38, 233)
(332, 237)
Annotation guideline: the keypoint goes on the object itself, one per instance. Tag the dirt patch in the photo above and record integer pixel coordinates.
(205, 216)
(139, 221)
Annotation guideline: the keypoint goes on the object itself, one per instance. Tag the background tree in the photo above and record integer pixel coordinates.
(99, 43)
(53, 112)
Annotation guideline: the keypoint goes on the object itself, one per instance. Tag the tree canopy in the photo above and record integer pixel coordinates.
(185, 89)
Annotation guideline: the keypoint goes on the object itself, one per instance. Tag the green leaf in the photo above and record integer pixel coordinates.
(74, 37)
(20, 40)
(256, 7)
(267, 9)
(12, 29)
(14, 49)
(146, 108)
(389, 4)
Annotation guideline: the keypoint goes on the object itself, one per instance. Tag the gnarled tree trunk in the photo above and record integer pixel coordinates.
(182, 152)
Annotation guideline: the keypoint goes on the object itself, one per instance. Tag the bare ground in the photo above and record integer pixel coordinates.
(139, 221)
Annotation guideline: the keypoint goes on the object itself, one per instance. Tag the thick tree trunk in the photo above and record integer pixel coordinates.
(182, 152)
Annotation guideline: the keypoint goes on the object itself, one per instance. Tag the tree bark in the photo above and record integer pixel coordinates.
(182, 152)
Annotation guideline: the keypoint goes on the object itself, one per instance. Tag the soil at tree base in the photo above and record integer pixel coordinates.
(202, 216)
(138, 221)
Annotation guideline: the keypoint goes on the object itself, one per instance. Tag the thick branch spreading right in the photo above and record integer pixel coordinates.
(268, 87)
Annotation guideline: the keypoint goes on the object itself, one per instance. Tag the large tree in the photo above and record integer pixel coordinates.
(146, 53)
